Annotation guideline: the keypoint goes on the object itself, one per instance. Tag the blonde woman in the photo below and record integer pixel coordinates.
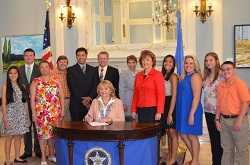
(189, 108)
(106, 107)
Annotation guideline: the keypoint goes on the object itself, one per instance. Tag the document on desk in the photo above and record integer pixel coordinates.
(97, 123)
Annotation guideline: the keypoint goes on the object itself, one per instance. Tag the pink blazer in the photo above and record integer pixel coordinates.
(116, 113)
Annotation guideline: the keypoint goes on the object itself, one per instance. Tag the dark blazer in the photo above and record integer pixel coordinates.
(28, 136)
(35, 73)
(112, 74)
(80, 85)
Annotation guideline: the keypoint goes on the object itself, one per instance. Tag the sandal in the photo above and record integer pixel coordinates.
(52, 159)
(44, 163)
(188, 163)
(5, 163)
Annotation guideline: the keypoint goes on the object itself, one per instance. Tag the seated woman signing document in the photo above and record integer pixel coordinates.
(106, 108)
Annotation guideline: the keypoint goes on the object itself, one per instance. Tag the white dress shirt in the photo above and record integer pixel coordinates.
(104, 71)
(31, 66)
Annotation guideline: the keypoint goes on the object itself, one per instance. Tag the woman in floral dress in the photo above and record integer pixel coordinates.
(46, 103)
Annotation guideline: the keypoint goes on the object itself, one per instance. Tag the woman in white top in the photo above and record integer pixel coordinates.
(169, 115)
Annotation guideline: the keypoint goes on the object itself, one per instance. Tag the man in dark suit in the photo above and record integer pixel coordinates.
(28, 72)
(106, 72)
(82, 85)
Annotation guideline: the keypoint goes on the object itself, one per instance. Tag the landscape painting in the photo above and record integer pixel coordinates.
(242, 46)
(13, 47)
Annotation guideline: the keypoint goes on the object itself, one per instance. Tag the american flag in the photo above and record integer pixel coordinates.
(47, 54)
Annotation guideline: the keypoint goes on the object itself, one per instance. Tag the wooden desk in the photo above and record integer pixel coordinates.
(117, 131)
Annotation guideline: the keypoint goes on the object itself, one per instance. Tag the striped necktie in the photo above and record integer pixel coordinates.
(28, 73)
(83, 69)
(101, 75)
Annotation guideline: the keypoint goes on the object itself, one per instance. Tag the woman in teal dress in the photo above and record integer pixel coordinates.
(189, 108)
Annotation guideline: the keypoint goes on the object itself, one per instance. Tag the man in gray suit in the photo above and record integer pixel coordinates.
(28, 72)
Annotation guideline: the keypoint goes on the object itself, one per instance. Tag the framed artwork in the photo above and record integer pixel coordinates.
(13, 47)
(242, 46)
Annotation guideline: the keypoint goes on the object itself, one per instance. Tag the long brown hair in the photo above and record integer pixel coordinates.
(164, 72)
(9, 88)
(207, 71)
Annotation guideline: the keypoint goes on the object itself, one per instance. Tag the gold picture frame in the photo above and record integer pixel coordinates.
(242, 46)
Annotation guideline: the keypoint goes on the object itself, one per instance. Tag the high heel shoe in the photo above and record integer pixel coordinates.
(175, 163)
(20, 161)
(163, 163)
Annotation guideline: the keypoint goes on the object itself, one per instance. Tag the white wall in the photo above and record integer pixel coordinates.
(204, 39)
(21, 17)
(209, 36)
(18, 17)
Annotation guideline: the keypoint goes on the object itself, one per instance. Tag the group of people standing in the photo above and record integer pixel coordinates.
(38, 96)
(172, 100)
(31, 99)
(177, 102)
(41, 96)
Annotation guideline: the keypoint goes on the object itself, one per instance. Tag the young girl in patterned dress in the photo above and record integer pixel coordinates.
(15, 115)
(47, 102)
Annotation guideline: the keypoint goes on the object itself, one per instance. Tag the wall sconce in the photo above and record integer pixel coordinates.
(70, 15)
(203, 10)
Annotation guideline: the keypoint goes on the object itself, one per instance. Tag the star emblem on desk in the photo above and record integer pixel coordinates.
(97, 156)
(97, 160)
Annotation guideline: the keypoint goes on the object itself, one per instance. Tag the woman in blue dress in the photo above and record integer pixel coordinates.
(189, 108)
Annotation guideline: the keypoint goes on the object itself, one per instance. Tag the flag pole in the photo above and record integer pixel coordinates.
(47, 54)
(179, 53)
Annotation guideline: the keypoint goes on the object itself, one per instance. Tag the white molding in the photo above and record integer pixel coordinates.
(123, 50)
(83, 28)
(217, 18)
(188, 27)
(84, 34)
(57, 30)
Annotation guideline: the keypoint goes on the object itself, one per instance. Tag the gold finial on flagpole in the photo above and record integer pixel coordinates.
(178, 5)
(47, 3)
